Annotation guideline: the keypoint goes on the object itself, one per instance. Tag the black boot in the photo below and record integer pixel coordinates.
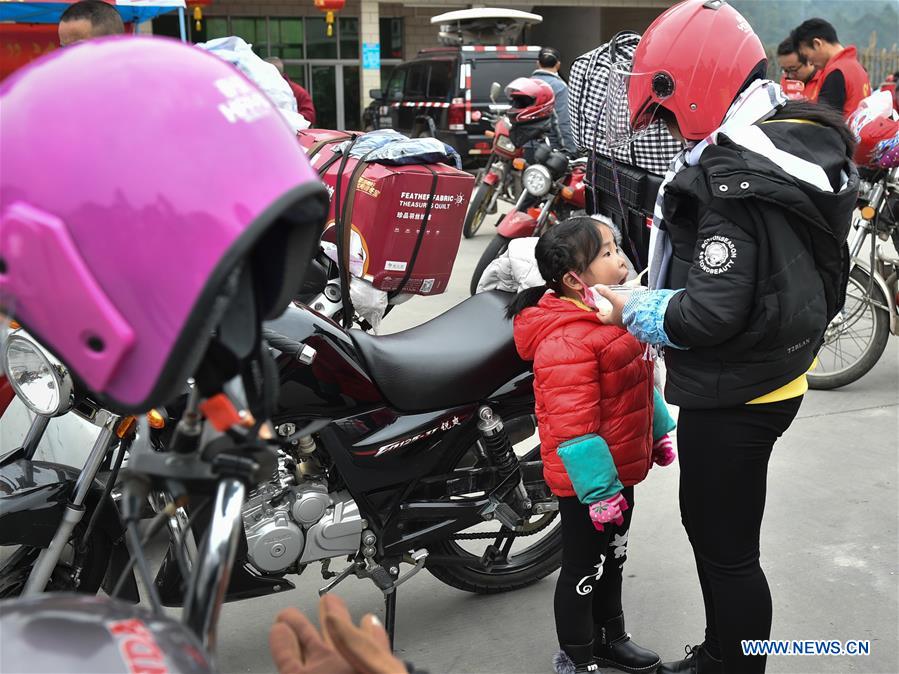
(575, 659)
(698, 661)
(613, 648)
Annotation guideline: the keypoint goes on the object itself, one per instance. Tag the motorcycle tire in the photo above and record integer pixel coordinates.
(93, 561)
(521, 569)
(477, 209)
(493, 250)
(859, 308)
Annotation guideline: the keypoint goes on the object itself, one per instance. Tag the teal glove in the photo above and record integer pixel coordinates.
(662, 422)
(590, 467)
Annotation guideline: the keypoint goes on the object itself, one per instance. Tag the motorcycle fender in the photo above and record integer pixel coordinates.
(32, 497)
(516, 225)
(491, 178)
(891, 299)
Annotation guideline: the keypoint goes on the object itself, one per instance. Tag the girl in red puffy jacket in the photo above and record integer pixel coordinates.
(595, 406)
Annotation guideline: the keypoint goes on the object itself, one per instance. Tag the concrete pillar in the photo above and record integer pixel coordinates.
(370, 49)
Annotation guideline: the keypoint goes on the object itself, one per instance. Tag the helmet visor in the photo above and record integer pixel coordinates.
(631, 108)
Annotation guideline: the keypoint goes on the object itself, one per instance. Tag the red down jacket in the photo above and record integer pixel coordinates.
(588, 378)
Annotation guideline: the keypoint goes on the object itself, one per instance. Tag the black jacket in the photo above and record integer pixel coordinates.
(763, 260)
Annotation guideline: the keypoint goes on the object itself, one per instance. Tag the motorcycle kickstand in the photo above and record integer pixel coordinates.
(418, 558)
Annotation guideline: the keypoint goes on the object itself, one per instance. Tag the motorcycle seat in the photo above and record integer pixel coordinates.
(459, 357)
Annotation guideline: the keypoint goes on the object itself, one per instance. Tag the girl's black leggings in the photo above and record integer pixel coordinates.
(723, 457)
(588, 591)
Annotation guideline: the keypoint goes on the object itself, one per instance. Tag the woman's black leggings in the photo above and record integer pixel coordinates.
(588, 591)
(723, 469)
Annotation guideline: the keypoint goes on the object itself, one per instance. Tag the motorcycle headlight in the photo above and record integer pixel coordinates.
(40, 380)
(537, 180)
(503, 143)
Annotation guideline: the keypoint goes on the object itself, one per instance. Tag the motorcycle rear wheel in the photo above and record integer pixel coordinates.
(477, 209)
(855, 340)
(494, 249)
(92, 562)
(539, 556)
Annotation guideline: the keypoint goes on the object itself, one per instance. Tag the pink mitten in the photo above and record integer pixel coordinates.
(608, 510)
(663, 451)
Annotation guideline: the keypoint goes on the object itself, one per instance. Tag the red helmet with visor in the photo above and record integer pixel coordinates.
(692, 62)
(531, 99)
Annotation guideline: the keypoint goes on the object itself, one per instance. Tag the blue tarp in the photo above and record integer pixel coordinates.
(49, 12)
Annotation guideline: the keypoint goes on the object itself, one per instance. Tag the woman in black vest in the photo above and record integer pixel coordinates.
(748, 264)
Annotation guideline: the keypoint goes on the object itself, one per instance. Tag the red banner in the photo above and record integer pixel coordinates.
(24, 42)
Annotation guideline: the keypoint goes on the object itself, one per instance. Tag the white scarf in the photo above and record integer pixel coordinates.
(759, 102)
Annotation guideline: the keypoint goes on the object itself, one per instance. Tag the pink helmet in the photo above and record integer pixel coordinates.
(143, 183)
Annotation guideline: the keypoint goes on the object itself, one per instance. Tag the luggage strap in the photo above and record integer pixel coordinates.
(421, 234)
(345, 230)
(315, 149)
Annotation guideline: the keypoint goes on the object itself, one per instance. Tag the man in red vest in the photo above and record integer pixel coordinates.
(844, 81)
(801, 80)
(304, 100)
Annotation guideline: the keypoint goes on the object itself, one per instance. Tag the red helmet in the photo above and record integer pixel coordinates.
(693, 61)
(532, 99)
(878, 143)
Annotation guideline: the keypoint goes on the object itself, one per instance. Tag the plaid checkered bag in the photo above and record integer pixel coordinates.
(598, 114)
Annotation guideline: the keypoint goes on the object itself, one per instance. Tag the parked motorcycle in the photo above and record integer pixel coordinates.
(554, 190)
(858, 335)
(445, 474)
(60, 526)
(502, 177)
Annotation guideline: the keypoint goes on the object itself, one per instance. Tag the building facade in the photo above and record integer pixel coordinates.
(370, 38)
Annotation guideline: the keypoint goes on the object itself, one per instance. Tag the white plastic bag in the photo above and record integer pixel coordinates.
(238, 53)
(368, 302)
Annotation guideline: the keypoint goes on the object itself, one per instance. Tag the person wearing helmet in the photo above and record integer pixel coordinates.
(844, 82)
(748, 265)
(549, 62)
(532, 113)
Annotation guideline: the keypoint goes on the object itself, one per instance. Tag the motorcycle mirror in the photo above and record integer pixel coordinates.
(495, 90)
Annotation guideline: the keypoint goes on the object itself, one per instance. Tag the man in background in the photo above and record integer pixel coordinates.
(304, 100)
(797, 69)
(89, 19)
(549, 62)
(844, 82)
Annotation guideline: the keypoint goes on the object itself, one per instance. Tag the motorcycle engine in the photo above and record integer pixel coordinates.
(287, 523)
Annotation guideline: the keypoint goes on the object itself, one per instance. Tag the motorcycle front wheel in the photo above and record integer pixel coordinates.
(477, 209)
(525, 555)
(81, 568)
(494, 249)
(856, 338)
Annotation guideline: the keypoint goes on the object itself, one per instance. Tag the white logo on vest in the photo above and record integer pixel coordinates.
(717, 254)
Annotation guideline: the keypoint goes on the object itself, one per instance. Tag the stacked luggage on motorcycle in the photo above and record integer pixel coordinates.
(623, 178)
(401, 223)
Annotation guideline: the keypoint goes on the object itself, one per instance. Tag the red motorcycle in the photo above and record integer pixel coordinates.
(502, 178)
(554, 189)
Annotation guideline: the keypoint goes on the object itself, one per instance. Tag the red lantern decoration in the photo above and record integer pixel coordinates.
(329, 7)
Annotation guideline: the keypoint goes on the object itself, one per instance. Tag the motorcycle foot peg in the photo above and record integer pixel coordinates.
(418, 558)
(498, 510)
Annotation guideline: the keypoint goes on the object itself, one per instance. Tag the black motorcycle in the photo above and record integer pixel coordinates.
(418, 447)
